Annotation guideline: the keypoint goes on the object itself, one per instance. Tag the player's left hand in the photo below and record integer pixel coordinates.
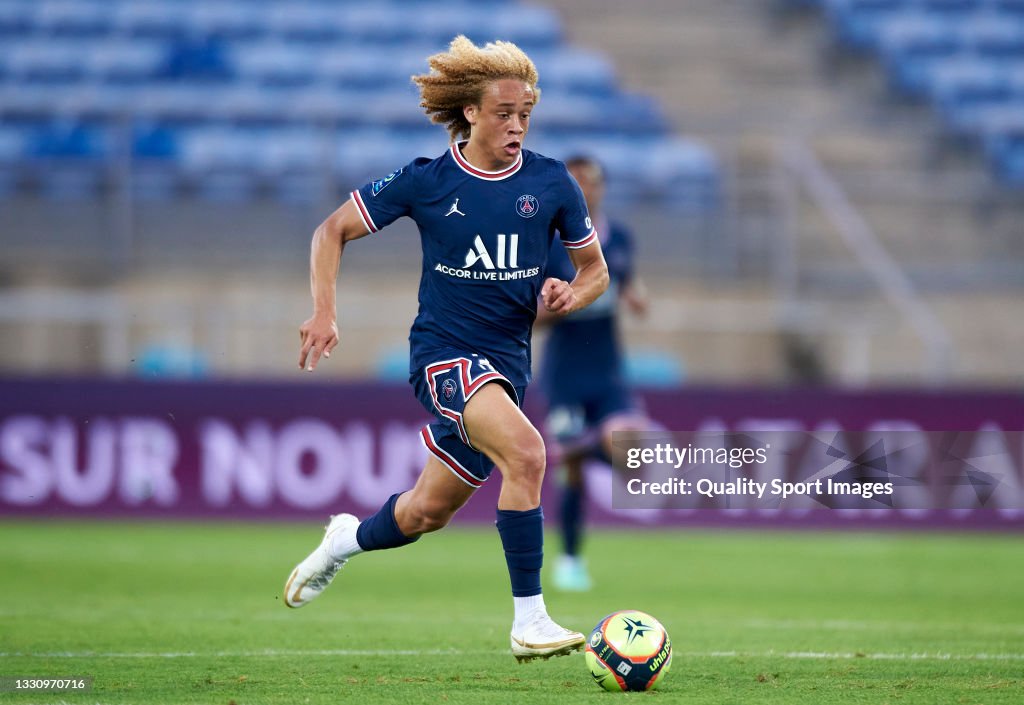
(558, 296)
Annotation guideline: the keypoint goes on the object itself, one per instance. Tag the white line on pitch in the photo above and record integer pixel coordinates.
(857, 655)
(285, 653)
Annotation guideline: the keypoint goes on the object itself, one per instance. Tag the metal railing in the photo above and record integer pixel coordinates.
(864, 243)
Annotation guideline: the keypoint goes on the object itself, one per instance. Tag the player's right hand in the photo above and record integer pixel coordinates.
(558, 296)
(319, 336)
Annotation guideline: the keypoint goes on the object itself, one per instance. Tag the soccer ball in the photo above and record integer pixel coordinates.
(628, 650)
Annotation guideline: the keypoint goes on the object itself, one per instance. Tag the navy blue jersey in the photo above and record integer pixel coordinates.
(583, 355)
(485, 238)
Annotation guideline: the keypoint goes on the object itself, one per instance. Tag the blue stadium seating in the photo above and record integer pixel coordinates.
(70, 18)
(965, 57)
(122, 61)
(240, 21)
(236, 99)
(857, 23)
(16, 18)
(45, 61)
(1006, 153)
(274, 63)
(911, 46)
(966, 93)
(157, 20)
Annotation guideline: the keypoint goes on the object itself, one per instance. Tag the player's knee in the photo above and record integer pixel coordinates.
(527, 458)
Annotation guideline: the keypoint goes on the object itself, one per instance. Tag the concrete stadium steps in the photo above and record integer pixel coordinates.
(245, 324)
(735, 76)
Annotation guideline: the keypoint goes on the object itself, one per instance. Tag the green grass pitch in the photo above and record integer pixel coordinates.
(191, 613)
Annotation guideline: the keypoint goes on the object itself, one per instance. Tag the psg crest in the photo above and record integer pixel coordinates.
(527, 205)
(448, 389)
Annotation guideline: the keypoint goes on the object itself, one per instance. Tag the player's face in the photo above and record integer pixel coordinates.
(499, 124)
(591, 182)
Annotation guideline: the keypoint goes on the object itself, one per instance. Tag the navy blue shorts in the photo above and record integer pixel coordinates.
(443, 388)
(575, 423)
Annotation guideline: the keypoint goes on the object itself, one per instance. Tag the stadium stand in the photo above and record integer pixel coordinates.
(965, 58)
(235, 99)
(162, 208)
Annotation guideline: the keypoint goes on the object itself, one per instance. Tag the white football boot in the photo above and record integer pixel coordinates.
(312, 576)
(542, 638)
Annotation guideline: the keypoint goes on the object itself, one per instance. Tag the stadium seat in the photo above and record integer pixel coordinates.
(575, 71)
(964, 91)
(1000, 120)
(965, 56)
(384, 24)
(911, 46)
(392, 364)
(296, 164)
(248, 104)
(155, 152)
(1010, 7)
(951, 9)
(624, 113)
(45, 61)
(654, 368)
(197, 59)
(995, 39)
(97, 101)
(73, 18)
(306, 22)
(361, 66)
(273, 63)
(31, 102)
(169, 360)
(69, 158)
(677, 173)
(219, 163)
(230, 20)
(161, 19)
(154, 141)
(324, 104)
(13, 143)
(13, 146)
(355, 163)
(180, 102)
(857, 23)
(292, 150)
(124, 61)
(397, 107)
(71, 140)
(1006, 152)
(280, 74)
(531, 27)
(16, 18)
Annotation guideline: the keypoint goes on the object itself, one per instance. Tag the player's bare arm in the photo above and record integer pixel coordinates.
(561, 297)
(319, 333)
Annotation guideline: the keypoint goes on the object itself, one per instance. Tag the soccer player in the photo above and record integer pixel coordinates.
(487, 211)
(582, 373)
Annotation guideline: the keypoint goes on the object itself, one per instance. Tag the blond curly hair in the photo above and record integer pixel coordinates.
(459, 77)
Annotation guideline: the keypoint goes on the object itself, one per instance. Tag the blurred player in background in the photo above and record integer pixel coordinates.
(583, 373)
(487, 211)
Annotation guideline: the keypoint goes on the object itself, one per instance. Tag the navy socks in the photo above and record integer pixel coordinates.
(572, 519)
(381, 530)
(522, 537)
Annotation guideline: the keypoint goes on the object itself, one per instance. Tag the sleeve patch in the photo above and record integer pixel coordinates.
(381, 184)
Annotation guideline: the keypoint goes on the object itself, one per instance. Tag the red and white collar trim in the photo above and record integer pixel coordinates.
(480, 173)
